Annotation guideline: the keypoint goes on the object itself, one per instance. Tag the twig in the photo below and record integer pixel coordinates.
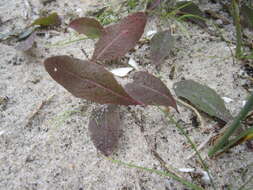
(201, 146)
(216, 15)
(37, 111)
(164, 165)
(193, 109)
(85, 53)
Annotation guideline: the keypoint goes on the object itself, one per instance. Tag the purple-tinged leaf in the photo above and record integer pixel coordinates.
(27, 44)
(118, 39)
(51, 20)
(203, 98)
(150, 90)
(88, 26)
(161, 45)
(88, 80)
(104, 128)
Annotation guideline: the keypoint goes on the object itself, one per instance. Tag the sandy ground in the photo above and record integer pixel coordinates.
(44, 140)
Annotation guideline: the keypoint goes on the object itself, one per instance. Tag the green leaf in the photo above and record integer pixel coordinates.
(203, 98)
(51, 20)
(247, 16)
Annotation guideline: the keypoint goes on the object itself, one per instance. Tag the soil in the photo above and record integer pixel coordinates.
(44, 139)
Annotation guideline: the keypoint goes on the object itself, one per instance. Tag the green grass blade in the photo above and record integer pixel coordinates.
(174, 12)
(171, 119)
(191, 16)
(234, 125)
(247, 56)
(66, 42)
(246, 135)
(165, 174)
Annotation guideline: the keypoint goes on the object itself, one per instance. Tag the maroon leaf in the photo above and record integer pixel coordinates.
(119, 38)
(27, 43)
(150, 90)
(161, 45)
(87, 80)
(104, 128)
(88, 26)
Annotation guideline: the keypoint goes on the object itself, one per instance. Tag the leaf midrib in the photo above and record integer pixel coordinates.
(103, 87)
(154, 90)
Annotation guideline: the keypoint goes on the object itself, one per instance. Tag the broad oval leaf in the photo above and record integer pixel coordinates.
(150, 90)
(203, 98)
(161, 45)
(88, 26)
(87, 80)
(104, 128)
(118, 39)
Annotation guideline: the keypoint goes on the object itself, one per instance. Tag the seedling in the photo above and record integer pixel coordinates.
(89, 80)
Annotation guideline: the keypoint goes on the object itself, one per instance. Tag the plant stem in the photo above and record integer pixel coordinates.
(236, 15)
(171, 119)
(67, 42)
(234, 125)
